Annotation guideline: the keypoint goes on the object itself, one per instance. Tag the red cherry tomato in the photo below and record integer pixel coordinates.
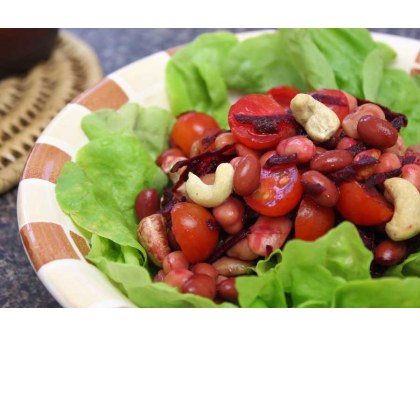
(283, 94)
(334, 99)
(363, 207)
(279, 191)
(195, 229)
(313, 221)
(249, 127)
(190, 127)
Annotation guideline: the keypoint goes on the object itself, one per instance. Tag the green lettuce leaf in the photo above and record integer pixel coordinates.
(150, 125)
(307, 59)
(261, 291)
(401, 93)
(194, 79)
(257, 64)
(409, 267)
(340, 251)
(99, 189)
(373, 69)
(313, 285)
(135, 280)
(383, 293)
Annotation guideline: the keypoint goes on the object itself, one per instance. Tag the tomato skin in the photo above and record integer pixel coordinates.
(342, 110)
(283, 94)
(313, 221)
(279, 191)
(195, 229)
(190, 127)
(259, 105)
(363, 207)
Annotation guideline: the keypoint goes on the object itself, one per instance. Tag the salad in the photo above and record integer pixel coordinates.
(302, 192)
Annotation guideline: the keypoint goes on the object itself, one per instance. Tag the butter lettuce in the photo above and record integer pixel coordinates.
(134, 280)
(194, 77)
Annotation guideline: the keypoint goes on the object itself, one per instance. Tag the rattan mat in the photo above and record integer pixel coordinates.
(28, 103)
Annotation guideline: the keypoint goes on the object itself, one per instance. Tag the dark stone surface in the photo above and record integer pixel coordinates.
(19, 286)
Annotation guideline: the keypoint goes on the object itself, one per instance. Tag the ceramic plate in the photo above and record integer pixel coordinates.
(55, 247)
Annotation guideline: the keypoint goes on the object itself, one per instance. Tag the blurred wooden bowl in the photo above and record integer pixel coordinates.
(21, 49)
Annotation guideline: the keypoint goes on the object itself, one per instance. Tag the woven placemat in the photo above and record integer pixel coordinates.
(28, 103)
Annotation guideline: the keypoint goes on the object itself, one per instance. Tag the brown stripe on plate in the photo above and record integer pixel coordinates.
(81, 243)
(45, 162)
(46, 242)
(106, 94)
(415, 72)
(418, 57)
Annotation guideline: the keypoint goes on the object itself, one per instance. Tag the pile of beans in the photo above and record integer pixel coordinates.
(328, 179)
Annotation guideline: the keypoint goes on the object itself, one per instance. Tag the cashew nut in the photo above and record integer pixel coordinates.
(406, 199)
(319, 121)
(211, 195)
(151, 234)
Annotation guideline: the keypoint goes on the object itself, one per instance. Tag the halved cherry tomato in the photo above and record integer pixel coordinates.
(190, 127)
(195, 229)
(334, 99)
(279, 191)
(362, 206)
(259, 122)
(283, 94)
(313, 221)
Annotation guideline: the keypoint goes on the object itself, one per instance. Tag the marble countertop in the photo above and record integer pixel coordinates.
(19, 285)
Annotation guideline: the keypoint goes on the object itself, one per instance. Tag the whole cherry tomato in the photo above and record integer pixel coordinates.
(364, 207)
(259, 122)
(195, 229)
(279, 191)
(190, 127)
(283, 94)
(313, 221)
(334, 99)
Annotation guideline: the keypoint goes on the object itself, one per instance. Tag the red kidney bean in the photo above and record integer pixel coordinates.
(331, 160)
(221, 279)
(242, 251)
(346, 143)
(174, 152)
(227, 290)
(230, 215)
(377, 132)
(147, 203)
(319, 150)
(231, 267)
(367, 170)
(247, 175)
(201, 285)
(173, 261)
(242, 150)
(414, 152)
(389, 253)
(268, 234)
(176, 278)
(352, 101)
(223, 140)
(399, 148)
(327, 194)
(266, 156)
(204, 268)
(299, 145)
(196, 149)
(411, 173)
(387, 162)
(235, 161)
(159, 276)
(351, 121)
